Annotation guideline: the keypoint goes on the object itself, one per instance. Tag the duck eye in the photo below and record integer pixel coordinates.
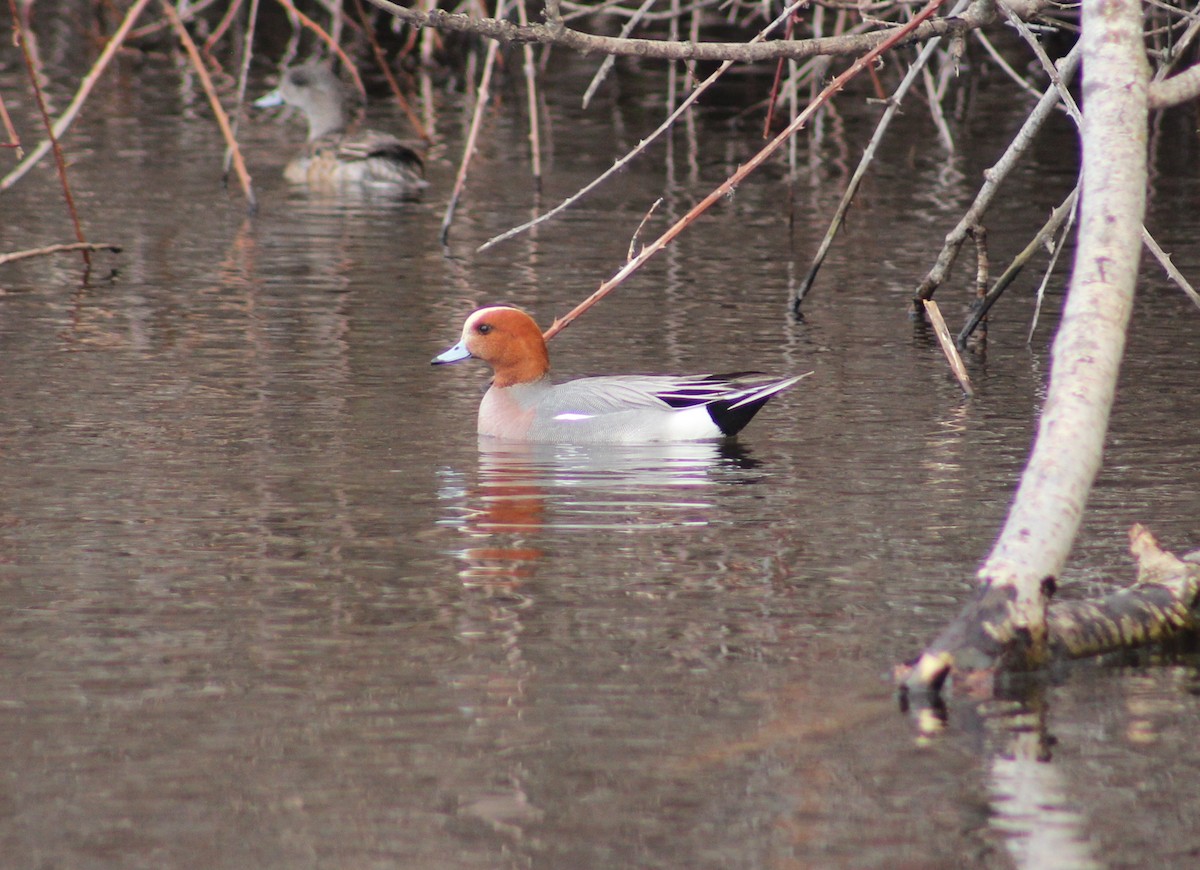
(483, 328)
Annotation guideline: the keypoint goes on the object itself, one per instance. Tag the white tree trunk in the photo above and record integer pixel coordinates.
(1009, 619)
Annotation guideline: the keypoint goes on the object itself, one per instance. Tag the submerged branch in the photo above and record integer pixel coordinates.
(13, 256)
(982, 306)
(1161, 603)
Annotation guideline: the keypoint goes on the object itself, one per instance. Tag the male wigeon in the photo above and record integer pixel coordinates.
(333, 158)
(523, 405)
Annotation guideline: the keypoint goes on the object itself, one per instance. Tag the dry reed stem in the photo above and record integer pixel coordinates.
(57, 249)
(745, 169)
(535, 136)
(481, 100)
(14, 138)
(193, 54)
(324, 36)
(642, 145)
(386, 68)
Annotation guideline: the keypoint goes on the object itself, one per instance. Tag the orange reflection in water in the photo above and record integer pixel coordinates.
(508, 505)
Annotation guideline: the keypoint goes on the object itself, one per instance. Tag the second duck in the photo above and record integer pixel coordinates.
(332, 157)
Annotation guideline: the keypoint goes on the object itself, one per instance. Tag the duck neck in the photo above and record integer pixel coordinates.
(526, 368)
(326, 117)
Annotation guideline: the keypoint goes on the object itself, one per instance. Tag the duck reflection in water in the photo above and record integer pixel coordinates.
(523, 489)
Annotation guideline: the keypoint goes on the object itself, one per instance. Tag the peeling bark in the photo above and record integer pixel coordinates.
(1160, 604)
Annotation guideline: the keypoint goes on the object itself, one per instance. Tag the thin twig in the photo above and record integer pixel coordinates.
(214, 101)
(1044, 59)
(609, 60)
(641, 146)
(935, 109)
(637, 234)
(745, 169)
(386, 69)
(243, 79)
(535, 138)
(219, 31)
(777, 81)
(59, 162)
(57, 249)
(14, 138)
(995, 175)
(999, 60)
(952, 356)
(864, 162)
(1173, 273)
(1058, 249)
(481, 100)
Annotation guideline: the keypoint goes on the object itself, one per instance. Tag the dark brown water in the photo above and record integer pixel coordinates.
(267, 602)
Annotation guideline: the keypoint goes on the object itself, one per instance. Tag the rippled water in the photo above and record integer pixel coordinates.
(268, 601)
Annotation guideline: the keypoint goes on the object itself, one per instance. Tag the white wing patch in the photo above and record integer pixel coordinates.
(570, 416)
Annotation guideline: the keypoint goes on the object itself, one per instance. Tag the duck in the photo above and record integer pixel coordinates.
(523, 404)
(332, 157)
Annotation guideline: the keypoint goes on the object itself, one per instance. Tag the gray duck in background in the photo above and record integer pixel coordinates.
(332, 157)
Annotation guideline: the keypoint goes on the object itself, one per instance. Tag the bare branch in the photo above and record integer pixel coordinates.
(980, 13)
(1176, 90)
